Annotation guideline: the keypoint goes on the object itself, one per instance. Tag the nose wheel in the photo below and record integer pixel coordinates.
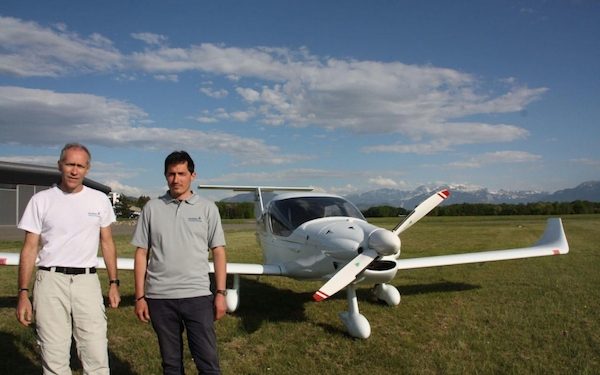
(356, 324)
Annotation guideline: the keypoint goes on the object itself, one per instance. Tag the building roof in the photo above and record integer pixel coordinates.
(27, 174)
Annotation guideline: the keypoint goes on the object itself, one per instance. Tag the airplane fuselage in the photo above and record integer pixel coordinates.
(319, 247)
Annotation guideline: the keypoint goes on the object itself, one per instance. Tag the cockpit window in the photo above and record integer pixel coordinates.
(289, 214)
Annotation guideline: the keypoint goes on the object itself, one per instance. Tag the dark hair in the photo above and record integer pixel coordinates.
(178, 157)
(79, 146)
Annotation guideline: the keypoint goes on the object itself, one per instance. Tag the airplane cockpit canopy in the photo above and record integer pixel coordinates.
(289, 214)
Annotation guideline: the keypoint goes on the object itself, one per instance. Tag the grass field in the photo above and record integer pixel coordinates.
(531, 316)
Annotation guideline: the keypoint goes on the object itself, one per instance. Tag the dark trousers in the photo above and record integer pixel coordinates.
(170, 317)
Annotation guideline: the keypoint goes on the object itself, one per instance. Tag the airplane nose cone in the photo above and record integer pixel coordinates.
(384, 242)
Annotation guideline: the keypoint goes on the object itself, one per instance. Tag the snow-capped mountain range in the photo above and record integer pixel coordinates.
(589, 191)
(408, 199)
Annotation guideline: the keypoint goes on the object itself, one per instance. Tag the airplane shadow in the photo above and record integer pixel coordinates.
(446, 286)
(260, 302)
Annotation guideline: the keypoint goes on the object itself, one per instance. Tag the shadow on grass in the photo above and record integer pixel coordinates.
(261, 302)
(446, 286)
(8, 302)
(365, 295)
(117, 366)
(13, 361)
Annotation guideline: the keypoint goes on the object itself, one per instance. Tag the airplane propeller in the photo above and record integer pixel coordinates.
(421, 210)
(381, 242)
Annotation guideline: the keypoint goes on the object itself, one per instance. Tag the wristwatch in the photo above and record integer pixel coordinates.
(115, 281)
(221, 291)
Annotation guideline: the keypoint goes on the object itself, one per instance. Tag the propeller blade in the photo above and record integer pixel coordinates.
(421, 210)
(346, 275)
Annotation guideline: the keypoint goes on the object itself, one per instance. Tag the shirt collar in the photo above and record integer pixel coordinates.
(193, 199)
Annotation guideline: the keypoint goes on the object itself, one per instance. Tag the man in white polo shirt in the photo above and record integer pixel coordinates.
(70, 220)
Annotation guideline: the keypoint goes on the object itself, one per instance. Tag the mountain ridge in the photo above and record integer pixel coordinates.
(589, 191)
(408, 199)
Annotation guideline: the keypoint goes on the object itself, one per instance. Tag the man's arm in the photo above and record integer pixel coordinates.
(109, 253)
(220, 263)
(139, 271)
(27, 259)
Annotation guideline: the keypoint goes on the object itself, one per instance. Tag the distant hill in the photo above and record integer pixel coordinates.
(408, 199)
(589, 191)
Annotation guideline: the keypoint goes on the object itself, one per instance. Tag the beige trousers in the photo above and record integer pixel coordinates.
(70, 306)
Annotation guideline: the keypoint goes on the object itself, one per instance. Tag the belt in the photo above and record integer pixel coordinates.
(69, 270)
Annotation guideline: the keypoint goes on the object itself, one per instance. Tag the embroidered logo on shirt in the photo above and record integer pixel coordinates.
(94, 214)
(195, 219)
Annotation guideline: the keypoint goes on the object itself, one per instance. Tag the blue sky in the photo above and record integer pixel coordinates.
(345, 96)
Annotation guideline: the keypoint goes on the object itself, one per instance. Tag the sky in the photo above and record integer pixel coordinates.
(343, 96)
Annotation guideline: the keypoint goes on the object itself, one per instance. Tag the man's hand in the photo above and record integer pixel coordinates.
(114, 297)
(24, 310)
(141, 310)
(220, 306)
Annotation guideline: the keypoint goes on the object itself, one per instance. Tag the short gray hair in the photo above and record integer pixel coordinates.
(73, 145)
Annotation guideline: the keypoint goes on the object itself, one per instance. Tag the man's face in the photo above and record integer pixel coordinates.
(179, 180)
(73, 167)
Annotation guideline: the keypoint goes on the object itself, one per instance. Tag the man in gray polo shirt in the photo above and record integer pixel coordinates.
(172, 287)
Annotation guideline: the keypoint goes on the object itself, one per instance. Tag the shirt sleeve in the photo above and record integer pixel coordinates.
(108, 214)
(31, 221)
(141, 236)
(216, 237)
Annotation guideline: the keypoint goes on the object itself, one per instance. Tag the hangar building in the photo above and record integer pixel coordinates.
(18, 183)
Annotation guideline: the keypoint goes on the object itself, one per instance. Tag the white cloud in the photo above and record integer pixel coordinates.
(48, 161)
(380, 181)
(417, 102)
(498, 157)
(29, 49)
(44, 117)
(167, 77)
(217, 94)
(150, 38)
(422, 106)
(130, 191)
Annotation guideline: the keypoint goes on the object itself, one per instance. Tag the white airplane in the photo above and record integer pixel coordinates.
(306, 235)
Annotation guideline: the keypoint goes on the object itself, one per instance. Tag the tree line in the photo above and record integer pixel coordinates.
(245, 210)
(503, 209)
(129, 207)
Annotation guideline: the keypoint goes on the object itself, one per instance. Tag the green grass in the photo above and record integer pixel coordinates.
(531, 316)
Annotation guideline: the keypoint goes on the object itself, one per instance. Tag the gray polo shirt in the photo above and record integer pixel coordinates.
(178, 235)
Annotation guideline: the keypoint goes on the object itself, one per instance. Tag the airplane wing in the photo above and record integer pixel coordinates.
(552, 242)
(12, 259)
(232, 268)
